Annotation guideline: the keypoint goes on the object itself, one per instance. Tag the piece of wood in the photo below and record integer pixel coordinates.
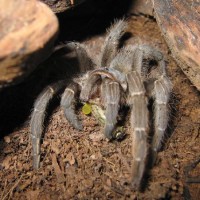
(59, 6)
(143, 7)
(28, 30)
(179, 21)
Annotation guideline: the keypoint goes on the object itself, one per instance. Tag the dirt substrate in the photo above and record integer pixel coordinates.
(83, 165)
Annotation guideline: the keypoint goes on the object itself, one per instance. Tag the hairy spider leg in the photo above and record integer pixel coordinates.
(85, 63)
(91, 80)
(111, 97)
(72, 91)
(68, 98)
(162, 91)
(67, 104)
(139, 124)
(109, 51)
(41, 103)
(111, 44)
(37, 118)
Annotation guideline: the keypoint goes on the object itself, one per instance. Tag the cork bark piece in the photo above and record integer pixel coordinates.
(59, 6)
(179, 22)
(28, 30)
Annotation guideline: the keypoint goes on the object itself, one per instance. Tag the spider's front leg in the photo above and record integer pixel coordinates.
(67, 104)
(88, 84)
(139, 124)
(111, 97)
(71, 92)
(162, 90)
(37, 118)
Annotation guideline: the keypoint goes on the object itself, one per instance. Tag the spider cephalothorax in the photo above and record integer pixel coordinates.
(125, 77)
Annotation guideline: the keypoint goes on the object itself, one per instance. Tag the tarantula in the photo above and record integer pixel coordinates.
(126, 76)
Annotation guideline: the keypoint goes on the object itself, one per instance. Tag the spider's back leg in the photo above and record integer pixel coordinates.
(85, 62)
(162, 91)
(111, 44)
(146, 52)
(68, 97)
(37, 118)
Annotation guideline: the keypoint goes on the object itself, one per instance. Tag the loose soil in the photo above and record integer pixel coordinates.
(84, 165)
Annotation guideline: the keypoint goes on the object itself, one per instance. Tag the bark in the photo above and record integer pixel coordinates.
(59, 6)
(27, 36)
(179, 22)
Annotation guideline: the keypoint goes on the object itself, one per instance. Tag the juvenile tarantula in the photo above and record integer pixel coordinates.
(126, 77)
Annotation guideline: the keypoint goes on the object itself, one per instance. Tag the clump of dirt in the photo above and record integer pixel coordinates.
(84, 165)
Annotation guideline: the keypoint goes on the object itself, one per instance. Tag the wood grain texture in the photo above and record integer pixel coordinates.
(179, 21)
(28, 30)
(59, 6)
(143, 7)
